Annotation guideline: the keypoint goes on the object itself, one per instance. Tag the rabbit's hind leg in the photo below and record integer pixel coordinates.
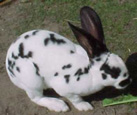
(53, 104)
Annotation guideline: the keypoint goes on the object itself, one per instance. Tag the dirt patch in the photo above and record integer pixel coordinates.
(14, 101)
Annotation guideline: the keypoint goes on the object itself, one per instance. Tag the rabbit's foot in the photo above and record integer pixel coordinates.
(79, 104)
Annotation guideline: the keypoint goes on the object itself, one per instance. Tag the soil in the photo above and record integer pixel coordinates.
(14, 101)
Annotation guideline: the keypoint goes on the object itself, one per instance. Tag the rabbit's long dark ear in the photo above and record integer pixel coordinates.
(92, 46)
(91, 23)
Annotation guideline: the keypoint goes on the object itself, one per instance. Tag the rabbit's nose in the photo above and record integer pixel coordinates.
(125, 82)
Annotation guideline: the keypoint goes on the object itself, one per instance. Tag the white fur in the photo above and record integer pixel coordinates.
(50, 59)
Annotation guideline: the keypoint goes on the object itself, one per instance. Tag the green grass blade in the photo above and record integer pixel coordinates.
(119, 100)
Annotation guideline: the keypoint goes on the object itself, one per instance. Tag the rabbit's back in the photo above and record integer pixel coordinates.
(44, 54)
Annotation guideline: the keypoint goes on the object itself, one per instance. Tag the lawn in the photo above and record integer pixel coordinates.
(119, 18)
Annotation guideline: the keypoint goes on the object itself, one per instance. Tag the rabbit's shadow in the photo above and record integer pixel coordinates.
(111, 92)
(107, 92)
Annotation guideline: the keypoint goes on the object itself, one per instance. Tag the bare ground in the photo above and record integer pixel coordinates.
(14, 101)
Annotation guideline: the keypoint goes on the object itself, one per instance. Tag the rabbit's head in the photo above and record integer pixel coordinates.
(114, 72)
(111, 69)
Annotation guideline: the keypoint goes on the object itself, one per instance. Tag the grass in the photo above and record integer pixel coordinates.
(119, 100)
(119, 19)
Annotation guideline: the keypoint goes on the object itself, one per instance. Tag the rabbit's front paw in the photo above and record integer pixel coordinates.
(83, 106)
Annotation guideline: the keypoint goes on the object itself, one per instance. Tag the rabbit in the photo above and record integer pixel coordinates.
(41, 59)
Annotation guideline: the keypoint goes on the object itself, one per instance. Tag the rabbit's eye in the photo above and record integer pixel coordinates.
(125, 74)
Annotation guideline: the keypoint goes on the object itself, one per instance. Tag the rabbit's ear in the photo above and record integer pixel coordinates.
(91, 23)
(92, 46)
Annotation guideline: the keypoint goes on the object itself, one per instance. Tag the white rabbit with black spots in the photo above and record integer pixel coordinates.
(41, 59)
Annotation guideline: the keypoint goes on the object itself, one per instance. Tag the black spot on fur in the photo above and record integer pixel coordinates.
(14, 57)
(67, 66)
(53, 40)
(34, 33)
(21, 50)
(37, 69)
(79, 72)
(11, 71)
(58, 41)
(26, 36)
(11, 65)
(67, 78)
(29, 55)
(124, 83)
(114, 72)
(86, 69)
(9, 62)
(18, 69)
(46, 41)
(104, 76)
(78, 78)
(56, 74)
(72, 52)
